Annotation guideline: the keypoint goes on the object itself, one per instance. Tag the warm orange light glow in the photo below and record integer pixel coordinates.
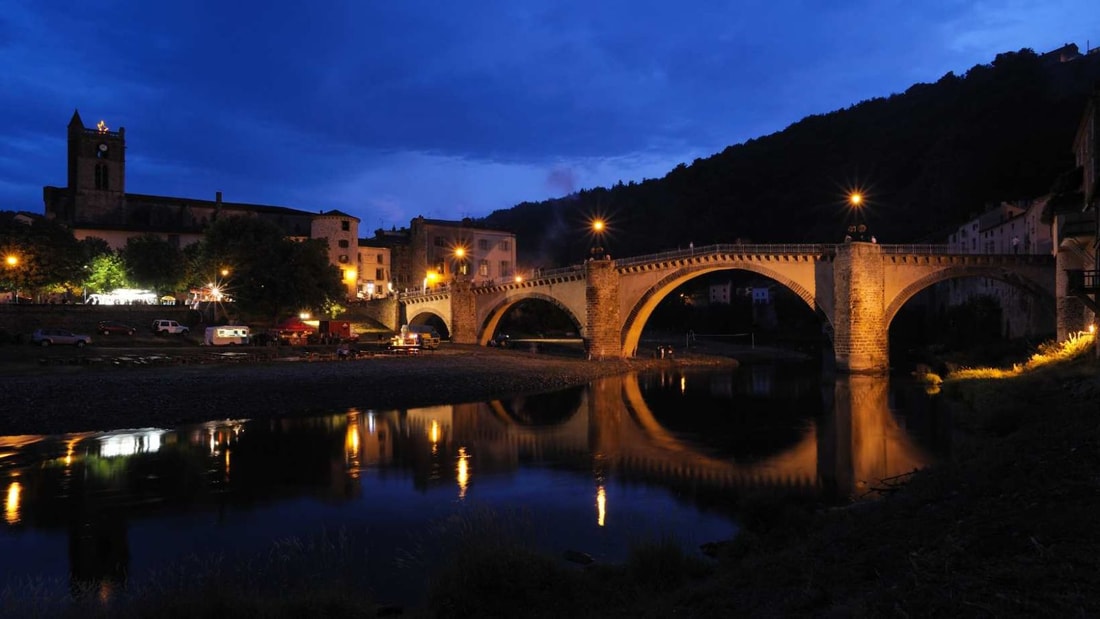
(519, 279)
(102, 126)
(432, 275)
(601, 505)
(463, 471)
(225, 272)
(460, 252)
(304, 315)
(350, 275)
(433, 432)
(12, 260)
(1092, 328)
(352, 441)
(11, 504)
(855, 198)
(598, 225)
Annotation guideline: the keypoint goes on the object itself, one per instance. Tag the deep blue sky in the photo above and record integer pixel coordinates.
(387, 110)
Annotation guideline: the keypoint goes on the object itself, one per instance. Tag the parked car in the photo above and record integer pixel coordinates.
(51, 336)
(114, 327)
(169, 327)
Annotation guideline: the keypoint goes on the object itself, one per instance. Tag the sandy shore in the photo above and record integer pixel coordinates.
(60, 398)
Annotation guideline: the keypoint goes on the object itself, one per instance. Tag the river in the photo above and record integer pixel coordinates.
(591, 471)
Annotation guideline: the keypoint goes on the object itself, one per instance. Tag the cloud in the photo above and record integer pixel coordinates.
(393, 109)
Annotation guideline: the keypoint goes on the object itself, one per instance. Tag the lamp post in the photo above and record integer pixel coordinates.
(12, 261)
(599, 226)
(858, 231)
(460, 262)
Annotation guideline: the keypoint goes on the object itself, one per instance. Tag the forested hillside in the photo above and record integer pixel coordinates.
(927, 159)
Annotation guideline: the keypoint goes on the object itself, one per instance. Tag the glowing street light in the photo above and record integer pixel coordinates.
(460, 260)
(12, 260)
(599, 226)
(857, 231)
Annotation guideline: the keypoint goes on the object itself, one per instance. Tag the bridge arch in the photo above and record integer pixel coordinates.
(641, 309)
(1014, 278)
(494, 314)
(425, 316)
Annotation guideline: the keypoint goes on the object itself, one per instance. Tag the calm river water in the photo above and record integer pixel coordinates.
(594, 469)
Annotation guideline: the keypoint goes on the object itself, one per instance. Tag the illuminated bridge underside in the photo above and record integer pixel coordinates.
(614, 431)
(856, 288)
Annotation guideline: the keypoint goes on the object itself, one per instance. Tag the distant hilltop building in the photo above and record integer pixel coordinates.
(94, 203)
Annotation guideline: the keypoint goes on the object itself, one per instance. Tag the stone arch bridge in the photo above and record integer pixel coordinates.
(856, 288)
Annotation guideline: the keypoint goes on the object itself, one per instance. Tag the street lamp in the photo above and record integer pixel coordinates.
(12, 261)
(460, 261)
(857, 231)
(599, 226)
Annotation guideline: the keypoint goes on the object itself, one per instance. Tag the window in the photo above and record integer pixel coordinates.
(440, 241)
(345, 225)
(379, 274)
(380, 260)
(506, 245)
(505, 268)
(483, 244)
(483, 268)
(101, 177)
(342, 243)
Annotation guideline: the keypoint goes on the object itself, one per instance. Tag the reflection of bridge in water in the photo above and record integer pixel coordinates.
(89, 487)
(613, 432)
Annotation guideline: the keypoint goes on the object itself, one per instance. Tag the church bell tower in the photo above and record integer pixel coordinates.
(97, 172)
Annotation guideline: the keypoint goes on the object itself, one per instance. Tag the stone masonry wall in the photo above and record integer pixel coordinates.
(386, 311)
(463, 314)
(861, 341)
(602, 300)
(1071, 312)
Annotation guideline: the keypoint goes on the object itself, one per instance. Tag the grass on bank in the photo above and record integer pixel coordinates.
(1076, 346)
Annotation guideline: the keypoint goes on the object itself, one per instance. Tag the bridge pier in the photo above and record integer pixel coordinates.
(463, 313)
(1072, 315)
(860, 340)
(603, 337)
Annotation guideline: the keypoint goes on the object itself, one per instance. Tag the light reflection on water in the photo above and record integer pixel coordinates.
(594, 469)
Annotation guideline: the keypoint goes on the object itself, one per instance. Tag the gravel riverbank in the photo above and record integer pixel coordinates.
(50, 398)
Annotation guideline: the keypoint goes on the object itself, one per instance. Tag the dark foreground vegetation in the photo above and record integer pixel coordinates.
(1005, 528)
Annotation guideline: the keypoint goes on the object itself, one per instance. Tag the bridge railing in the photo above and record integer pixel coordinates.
(730, 248)
(921, 249)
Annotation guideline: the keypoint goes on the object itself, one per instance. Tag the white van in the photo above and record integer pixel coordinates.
(228, 335)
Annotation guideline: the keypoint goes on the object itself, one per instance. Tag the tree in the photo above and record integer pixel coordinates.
(153, 262)
(45, 254)
(267, 273)
(107, 272)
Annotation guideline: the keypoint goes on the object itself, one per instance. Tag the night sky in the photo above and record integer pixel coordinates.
(453, 109)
